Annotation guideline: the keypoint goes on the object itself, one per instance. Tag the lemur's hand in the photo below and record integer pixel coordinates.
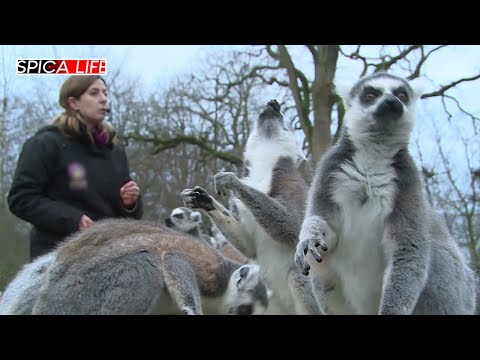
(225, 181)
(312, 235)
(197, 198)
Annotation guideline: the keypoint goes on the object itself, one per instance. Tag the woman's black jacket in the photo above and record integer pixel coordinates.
(58, 179)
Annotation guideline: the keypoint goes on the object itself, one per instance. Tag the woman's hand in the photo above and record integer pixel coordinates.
(129, 194)
(85, 222)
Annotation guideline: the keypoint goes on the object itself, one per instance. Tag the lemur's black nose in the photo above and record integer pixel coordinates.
(390, 107)
(274, 104)
(393, 103)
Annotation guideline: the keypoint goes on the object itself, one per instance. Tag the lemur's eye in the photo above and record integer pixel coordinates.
(402, 96)
(178, 216)
(369, 96)
(245, 309)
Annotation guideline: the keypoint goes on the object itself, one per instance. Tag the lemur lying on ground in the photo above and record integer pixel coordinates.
(187, 221)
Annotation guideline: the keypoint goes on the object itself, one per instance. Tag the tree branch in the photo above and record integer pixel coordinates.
(161, 144)
(340, 114)
(385, 65)
(444, 88)
(356, 56)
(302, 103)
(416, 72)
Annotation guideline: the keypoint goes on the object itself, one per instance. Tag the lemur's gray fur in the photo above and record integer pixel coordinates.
(384, 250)
(227, 249)
(123, 266)
(187, 221)
(21, 293)
(266, 209)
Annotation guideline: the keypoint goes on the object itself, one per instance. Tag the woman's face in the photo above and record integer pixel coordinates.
(92, 104)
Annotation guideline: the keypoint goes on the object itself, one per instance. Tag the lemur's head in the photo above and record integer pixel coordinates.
(380, 104)
(183, 219)
(270, 121)
(246, 294)
(272, 136)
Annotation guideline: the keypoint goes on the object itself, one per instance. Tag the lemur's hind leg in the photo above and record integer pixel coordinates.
(181, 283)
(306, 303)
(126, 285)
(134, 283)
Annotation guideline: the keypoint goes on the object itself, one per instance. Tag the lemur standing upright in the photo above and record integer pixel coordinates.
(384, 249)
(187, 221)
(266, 210)
(124, 266)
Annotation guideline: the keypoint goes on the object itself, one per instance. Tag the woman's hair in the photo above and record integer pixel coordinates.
(70, 121)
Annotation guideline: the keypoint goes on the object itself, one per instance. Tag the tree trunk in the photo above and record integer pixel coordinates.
(323, 98)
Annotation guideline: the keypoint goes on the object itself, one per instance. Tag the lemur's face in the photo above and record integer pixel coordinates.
(183, 219)
(381, 103)
(272, 138)
(270, 121)
(247, 294)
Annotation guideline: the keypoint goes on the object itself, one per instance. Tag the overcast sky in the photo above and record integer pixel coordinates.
(153, 63)
(159, 63)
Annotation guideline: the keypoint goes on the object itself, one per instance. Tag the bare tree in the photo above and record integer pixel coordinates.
(210, 109)
(453, 186)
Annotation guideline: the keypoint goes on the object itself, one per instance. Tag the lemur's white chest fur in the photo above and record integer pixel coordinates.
(364, 189)
(264, 154)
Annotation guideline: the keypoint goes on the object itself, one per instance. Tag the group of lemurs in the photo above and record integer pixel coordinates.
(360, 239)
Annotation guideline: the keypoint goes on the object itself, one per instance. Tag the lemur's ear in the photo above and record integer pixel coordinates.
(168, 222)
(419, 86)
(301, 158)
(342, 88)
(244, 272)
(195, 216)
(247, 276)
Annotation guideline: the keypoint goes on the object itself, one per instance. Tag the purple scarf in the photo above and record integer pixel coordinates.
(101, 137)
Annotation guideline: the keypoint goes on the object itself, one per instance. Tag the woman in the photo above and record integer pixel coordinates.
(72, 173)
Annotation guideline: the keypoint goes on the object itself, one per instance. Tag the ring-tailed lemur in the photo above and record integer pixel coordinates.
(187, 221)
(266, 209)
(384, 250)
(124, 266)
(21, 293)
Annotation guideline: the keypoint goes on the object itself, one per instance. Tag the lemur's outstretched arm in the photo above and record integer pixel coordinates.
(200, 199)
(269, 213)
(181, 283)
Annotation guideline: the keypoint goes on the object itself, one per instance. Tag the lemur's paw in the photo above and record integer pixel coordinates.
(312, 235)
(225, 181)
(197, 198)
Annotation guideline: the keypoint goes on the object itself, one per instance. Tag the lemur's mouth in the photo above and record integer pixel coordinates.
(270, 116)
(272, 108)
